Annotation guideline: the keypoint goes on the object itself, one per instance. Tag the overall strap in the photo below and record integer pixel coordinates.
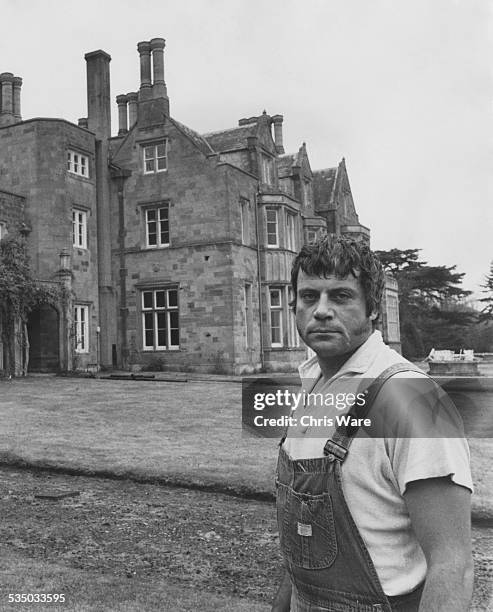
(338, 444)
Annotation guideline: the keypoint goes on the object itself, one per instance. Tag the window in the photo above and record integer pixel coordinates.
(245, 220)
(81, 324)
(290, 232)
(282, 317)
(78, 164)
(272, 231)
(160, 328)
(275, 296)
(155, 157)
(311, 236)
(79, 228)
(293, 337)
(157, 226)
(247, 297)
(267, 172)
(393, 317)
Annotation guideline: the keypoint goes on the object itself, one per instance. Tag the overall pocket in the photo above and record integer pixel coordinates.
(306, 528)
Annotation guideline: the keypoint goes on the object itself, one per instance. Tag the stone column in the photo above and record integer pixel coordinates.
(132, 98)
(16, 93)
(159, 85)
(277, 121)
(144, 49)
(122, 114)
(7, 115)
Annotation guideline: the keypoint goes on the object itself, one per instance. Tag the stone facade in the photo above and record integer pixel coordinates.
(175, 247)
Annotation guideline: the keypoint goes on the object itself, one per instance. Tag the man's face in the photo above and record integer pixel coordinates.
(331, 315)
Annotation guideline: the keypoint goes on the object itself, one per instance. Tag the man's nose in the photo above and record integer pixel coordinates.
(324, 309)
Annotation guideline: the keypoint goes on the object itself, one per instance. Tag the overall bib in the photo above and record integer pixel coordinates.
(326, 557)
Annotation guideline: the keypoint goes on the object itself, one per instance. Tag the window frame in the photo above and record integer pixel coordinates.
(154, 159)
(81, 328)
(245, 220)
(156, 208)
(276, 309)
(155, 310)
(78, 163)
(290, 231)
(77, 226)
(267, 222)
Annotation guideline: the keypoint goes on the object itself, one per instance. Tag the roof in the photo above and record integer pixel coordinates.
(285, 164)
(199, 141)
(324, 184)
(232, 139)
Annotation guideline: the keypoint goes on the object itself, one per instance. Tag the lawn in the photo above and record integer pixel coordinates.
(182, 433)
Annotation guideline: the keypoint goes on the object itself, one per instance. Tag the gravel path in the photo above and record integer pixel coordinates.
(203, 540)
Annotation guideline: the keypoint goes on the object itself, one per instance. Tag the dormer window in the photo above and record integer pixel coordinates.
(155, 157)
(267, 170)
(78, 164)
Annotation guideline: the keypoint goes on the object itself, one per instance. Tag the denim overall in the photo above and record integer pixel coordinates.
(328, 562)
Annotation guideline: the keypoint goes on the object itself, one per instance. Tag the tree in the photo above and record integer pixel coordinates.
(20, 292)
(486, 314)
(430, 311)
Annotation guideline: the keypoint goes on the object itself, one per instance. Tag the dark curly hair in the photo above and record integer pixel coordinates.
(342, 256)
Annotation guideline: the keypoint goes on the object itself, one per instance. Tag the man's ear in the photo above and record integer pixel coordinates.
(374, 315)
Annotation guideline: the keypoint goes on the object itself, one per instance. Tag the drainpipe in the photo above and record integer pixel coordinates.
(261, 325)
(120, 175)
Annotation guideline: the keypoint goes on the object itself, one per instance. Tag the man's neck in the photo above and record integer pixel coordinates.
(331, 365)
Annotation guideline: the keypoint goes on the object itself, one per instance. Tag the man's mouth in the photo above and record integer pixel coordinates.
(324, 331)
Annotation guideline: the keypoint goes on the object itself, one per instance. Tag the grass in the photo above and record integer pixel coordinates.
(85, 590)
(183, 433)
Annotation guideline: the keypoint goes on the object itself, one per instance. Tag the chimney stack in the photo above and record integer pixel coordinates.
(7, 112)
(122, 101)
(144, 49)
(98, 93)
(159, 84)
(16, 95)
(132, 98)
(277, 121)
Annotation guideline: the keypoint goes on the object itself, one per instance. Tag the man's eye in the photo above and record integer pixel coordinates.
(308, 297)
(342, 297)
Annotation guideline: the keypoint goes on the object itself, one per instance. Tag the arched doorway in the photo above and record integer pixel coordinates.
(44, 346)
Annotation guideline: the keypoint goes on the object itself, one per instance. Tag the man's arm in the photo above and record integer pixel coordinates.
(282, 600)
(440, 514)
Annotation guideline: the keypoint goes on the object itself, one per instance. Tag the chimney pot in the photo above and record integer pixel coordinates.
(277, 121)
(16, 97)
(98, 93)
(159, 85)
(122, 101)
(144, 49)
(132, 98)
(7, 114)
(82, 122)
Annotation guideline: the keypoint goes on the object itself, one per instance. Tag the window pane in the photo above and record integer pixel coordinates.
(275, 325)
(160, 299)
(163, 213)
(150, 166)
(148, 329)
(147, 299)
(173, 298)
(161, 328)
(151, 215)
(275, 297)
(271, 215)
(161, 149)
(149, 153)
(161, 163)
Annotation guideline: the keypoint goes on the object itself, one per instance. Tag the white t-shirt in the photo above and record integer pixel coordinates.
(377, 469)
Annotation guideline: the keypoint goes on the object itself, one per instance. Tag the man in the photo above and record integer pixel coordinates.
(367, 523)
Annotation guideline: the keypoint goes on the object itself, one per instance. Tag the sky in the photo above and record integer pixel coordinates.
(402, 89)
